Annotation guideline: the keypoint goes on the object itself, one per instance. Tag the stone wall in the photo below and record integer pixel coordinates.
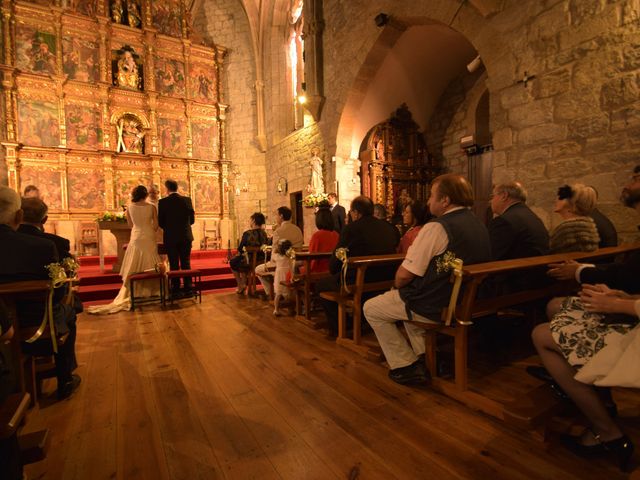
(290, 159)
(226, 23)
(577, 120)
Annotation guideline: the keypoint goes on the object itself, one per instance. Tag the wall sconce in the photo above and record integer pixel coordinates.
(282, 186)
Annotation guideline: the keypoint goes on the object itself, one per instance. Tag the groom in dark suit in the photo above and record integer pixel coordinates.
(175, 217)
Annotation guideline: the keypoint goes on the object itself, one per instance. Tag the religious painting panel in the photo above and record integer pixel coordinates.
(47, 179)
(35, 50)
(207, 192)
(167, 17)
(80, 59)
(86, 7)
(172, 137)
(205, 140)
(126, 181)
(38, 123)
(202, 82)
(84, 129)
(86, 189)
(170, 78)
(127, 69)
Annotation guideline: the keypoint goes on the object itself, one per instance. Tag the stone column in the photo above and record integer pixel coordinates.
(313, 57)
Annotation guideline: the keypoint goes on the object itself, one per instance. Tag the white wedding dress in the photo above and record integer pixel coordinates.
(141, 255)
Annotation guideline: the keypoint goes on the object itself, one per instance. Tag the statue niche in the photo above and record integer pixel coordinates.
(131, 134)
(127, 70)
(126, 12)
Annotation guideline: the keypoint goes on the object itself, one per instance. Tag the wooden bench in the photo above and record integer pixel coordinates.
(12, 413)
(349, 298)
(469, 307)
(302, 284)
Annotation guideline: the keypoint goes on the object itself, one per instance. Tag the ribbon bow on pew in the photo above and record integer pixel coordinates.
(61, 274)
(341, 254)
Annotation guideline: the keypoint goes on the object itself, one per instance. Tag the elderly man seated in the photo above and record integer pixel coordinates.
(25, 257)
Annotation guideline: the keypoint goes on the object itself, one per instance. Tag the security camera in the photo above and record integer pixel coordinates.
(474, 64)
(381, 19)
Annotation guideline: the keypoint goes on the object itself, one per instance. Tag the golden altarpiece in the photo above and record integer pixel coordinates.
(394, 158)
(102, 95)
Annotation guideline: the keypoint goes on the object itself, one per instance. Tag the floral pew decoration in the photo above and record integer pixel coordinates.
(61, 274)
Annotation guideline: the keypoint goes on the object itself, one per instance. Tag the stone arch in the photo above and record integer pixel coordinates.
(352, 121)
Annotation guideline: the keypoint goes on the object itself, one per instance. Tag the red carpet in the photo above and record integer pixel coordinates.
(96, 286)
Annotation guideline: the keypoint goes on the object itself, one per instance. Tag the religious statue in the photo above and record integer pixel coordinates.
(127, 75)
(130, 134)
(133, 13)
(117, 10)
(316, 184)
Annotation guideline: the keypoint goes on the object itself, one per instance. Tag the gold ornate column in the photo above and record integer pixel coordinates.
(104, 109)
(153, 123)
(13, 164)
(149, 63)
(187, 110)
(64, 174)
(104, 31)
(9, 88)
(8, 23)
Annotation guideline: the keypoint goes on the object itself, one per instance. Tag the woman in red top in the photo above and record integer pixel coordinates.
(324, 240)
(414, 215)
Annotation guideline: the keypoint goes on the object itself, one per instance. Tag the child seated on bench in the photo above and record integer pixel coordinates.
(283, 270)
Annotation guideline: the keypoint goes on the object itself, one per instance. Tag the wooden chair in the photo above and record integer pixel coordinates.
(88, 239)
(303, 284)
(211, 235)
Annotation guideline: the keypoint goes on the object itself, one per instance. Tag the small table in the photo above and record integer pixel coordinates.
(122, 232)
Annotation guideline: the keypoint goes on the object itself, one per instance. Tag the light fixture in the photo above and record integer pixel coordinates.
(282, 186)
(302, 99)
(474, 64)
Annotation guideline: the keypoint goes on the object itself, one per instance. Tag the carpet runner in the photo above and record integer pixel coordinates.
(96, 286)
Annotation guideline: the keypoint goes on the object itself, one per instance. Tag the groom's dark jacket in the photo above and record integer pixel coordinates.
(175, 217)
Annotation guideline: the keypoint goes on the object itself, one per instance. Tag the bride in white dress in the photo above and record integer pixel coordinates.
(141, 254)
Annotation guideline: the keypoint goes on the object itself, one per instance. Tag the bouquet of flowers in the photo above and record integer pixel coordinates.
(315, 200)
(112, 217)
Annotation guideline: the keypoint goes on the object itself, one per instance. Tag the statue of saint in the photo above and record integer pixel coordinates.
(116, 11)
(128, 76)
(133, 13)
(316, 184)
(130, 135)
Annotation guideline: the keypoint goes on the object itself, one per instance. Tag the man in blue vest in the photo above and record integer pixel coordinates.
(422, 287)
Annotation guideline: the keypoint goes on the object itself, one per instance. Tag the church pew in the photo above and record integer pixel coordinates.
(302, 284)
(469, 307)
(32, 445)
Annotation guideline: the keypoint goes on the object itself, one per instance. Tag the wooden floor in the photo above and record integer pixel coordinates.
(225, 390)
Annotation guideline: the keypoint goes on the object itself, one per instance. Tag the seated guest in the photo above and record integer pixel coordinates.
(592, 334)
(515, 231)
(254, 237)
(33, 220)
(364, 235)
(414, 216)
(380, 211)
(606, 229)
(422, 287)
(284, 230)
(25, 257)
(621, 276)
(577, 232)
(324, 239)
(31, 191)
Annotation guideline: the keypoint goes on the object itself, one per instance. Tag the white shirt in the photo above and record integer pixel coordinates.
(432, 240)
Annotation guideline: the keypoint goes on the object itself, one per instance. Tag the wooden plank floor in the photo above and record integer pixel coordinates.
(226, 390)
